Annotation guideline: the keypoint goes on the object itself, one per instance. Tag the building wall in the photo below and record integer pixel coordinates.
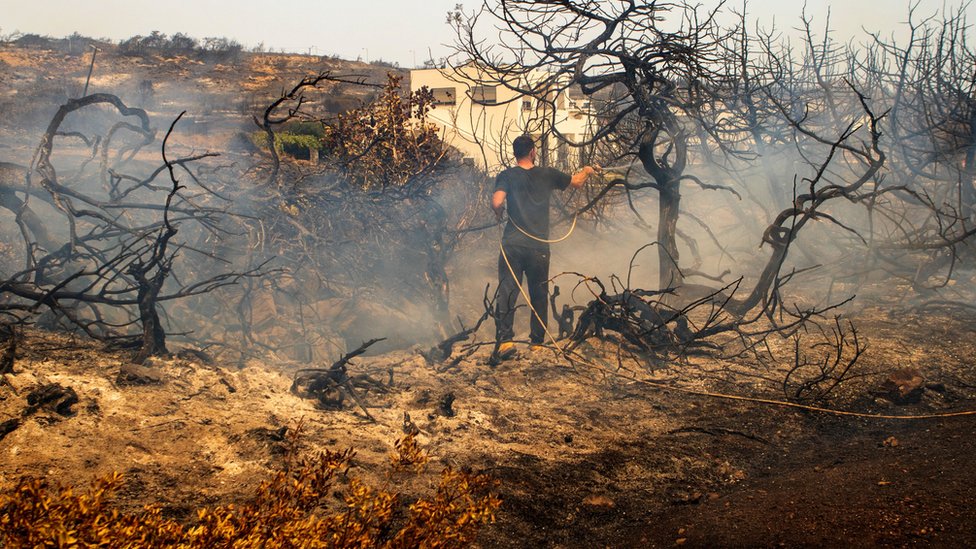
(481, 121)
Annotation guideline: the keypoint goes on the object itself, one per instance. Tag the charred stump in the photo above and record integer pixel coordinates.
(330, 386)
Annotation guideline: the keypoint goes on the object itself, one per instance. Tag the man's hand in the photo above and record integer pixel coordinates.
(580, 177)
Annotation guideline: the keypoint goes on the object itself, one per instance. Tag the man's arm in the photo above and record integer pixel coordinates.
(579, 178)
(498, 203)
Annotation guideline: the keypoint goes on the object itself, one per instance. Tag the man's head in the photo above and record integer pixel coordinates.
(522, 146)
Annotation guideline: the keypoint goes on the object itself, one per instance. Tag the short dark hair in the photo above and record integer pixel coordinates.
(522, 146)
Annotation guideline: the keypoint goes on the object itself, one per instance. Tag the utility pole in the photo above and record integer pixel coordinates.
(90, 69)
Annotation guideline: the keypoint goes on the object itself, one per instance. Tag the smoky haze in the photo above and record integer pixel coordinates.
(349, 276)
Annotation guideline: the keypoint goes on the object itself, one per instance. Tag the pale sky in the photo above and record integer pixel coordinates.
(402, 31)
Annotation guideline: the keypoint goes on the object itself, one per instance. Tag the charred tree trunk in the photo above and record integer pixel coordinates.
(667, 230)
(439, 247)
(153, 334)
(10, 174)
(436, 277)
(663, 153)
(766, 279)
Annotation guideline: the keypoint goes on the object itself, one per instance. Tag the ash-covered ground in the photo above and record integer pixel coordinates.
(585, 455)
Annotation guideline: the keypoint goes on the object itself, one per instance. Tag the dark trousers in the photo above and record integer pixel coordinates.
(533, 265)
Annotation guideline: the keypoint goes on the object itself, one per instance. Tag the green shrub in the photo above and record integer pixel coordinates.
(298, 145)
(304, 127)
(294, 144)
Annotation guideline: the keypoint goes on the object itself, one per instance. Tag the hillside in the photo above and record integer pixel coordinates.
(219, 92)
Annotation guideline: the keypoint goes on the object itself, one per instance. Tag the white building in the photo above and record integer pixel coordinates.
(481, 119)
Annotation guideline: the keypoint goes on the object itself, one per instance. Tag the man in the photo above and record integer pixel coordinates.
(526, 189)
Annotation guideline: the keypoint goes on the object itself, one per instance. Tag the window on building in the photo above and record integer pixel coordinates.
(484, 94)
(526, 104)
(444, 96)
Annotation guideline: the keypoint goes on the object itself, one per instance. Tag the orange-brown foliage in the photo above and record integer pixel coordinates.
(290, 509)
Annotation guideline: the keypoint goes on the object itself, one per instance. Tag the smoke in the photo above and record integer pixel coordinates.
(354, 265)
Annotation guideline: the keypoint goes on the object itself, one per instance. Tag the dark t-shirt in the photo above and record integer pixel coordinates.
(527, 195)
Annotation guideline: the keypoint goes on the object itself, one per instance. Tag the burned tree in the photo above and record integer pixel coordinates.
(927, 83)
(818, 190)
(645, 81)
(102, 259)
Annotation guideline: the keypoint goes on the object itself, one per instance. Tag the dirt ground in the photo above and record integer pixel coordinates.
(584, 457)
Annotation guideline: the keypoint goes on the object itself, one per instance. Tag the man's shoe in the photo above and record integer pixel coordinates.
(506, 350)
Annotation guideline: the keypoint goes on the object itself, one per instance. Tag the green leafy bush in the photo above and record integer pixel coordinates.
(295, 145)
